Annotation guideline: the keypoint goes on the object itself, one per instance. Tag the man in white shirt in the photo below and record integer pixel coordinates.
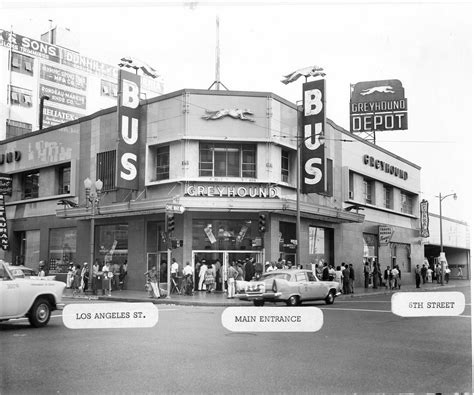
(174, 275)
(188, 278)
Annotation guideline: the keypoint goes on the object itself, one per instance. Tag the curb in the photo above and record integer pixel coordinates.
(224, 303)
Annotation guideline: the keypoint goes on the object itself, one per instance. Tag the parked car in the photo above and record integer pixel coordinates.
(31, 297)
(292, 286)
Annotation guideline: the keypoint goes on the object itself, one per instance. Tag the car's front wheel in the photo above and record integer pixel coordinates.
(293, 301)
(40, 313)
(258, 302)
(330, 298)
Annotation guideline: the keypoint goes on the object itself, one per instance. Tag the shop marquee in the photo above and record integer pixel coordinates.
(232, 191)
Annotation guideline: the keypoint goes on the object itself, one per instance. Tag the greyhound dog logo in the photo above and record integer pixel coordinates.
(311, 71)
(380, 89)
(233, 113)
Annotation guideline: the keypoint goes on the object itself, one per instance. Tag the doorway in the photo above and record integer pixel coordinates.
(160, 260)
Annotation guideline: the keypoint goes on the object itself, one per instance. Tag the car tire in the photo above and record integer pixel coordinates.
(40, 313)
(258, 302)
(293, 301)
(330, 298)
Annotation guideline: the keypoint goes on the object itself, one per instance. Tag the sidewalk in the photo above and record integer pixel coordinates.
(201, 298)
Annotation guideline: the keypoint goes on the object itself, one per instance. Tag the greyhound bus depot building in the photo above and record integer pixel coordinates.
(219, 174)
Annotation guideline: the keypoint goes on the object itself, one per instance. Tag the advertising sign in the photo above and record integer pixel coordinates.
(54, 116)
(385, 234)
(63, 77)
(424, 219)
(3, 225)
(79, 62)
(29, 46)
(61, 96)
(314, 121)
(128, 127)
(6, 184)
(378, 105)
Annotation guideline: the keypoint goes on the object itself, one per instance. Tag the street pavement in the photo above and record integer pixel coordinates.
(361, 348)
(202, 298)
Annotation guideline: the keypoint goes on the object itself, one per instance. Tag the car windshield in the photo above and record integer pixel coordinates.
(273, 275)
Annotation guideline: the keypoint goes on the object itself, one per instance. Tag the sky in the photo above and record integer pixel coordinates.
(425, 45)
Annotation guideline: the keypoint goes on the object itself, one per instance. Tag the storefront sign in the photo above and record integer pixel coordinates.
(6, 181)
(9, 157)
(424, 219)
(55, 116)
(63, 77)
(313, 153)
(209, 234)
(91, 66)
(29, 46)
(128, 126)
(232, 191)
(384, 166)
(385, 234)
(63, 97)
(3, 225)
(378, 105)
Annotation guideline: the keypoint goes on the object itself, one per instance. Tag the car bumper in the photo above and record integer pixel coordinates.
(60, 306)
(259, 296)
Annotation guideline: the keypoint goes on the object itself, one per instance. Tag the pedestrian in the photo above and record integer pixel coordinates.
(41, 272)
(70, 276)
(351, 278)
(338, 275)
(152, 279)
(188, 279)
(116, 276)
(202, 275)
(232, 274)
(249, 270)
(96, 282)
(325, 274)
(366, 274)
(123, 275)
(399, 280)
(240, 271)
(387, 276)
(460, 275)
(418, 276)
(258, 270)
(446, 275)
(76, 282)
(375, 275)
(332, 272)
(106, 278)
(346, 279)
(272, 267)
(429, 275)
(174, 274)
(438, 273)
(395, 283)
(423, 273)
(84, 277)
(209, 278)
(319, 270)
(218, 268)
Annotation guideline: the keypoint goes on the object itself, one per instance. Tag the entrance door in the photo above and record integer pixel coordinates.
(160, 260)
(215, 258)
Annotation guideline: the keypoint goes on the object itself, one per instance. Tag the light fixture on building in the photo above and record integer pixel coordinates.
(41, 110)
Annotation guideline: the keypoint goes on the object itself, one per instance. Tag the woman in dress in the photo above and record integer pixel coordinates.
(209, 278)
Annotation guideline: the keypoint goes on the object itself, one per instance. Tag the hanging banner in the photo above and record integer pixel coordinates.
(3, 225)
(424, 219)
(128, 126)
(312, 149)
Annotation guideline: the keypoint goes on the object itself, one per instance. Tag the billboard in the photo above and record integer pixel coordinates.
(424, 219)
(312, 149)
(62, 96)
(378, 105)
(128, 128)
(54, 116)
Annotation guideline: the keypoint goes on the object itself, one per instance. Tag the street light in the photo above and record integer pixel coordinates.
(441, 254)
(92, 197)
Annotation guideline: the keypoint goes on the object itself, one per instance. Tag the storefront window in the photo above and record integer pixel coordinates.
(62, 249)
(320, 244)
(29, 248)
(288, 241)
(237, 234)
(370, 245)
(112, 243)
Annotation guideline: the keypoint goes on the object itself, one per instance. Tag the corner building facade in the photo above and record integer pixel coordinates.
(224, 158)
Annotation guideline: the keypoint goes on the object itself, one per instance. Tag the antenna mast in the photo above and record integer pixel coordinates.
(217, 82)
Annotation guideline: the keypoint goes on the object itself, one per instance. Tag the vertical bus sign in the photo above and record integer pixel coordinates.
(312, 148)
(128, 118)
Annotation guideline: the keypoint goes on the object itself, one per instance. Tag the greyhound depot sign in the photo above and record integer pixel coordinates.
(378, 105)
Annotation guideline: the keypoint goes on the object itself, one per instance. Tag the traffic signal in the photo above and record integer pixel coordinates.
(262, 223)
(170, 223)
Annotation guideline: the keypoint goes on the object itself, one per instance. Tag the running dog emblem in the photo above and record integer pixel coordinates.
(311, 71)
(233, 113)
(380, 89)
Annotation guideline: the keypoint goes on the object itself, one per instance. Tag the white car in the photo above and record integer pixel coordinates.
(34, 297)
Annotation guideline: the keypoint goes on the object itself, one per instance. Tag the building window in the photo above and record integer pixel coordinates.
(368, 191)
(64, 179)
(29, 248)
(20, 97)
(30, 183)
(227, 160)
(108, 88)
(62, 249)
(387, 196)
(285, 165)
(351, 185)
(15, 128)
(163, 163)
(112, 244)
(406, 203)
(22, 63)
(106, 169)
